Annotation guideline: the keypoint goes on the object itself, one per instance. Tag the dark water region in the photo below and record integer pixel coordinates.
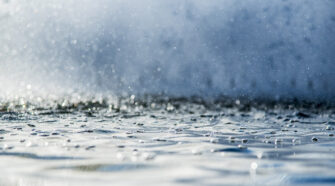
(160, 140)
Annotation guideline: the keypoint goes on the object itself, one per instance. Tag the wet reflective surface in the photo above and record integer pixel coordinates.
(170, 143)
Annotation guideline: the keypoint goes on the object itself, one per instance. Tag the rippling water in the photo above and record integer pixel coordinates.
(167, 142)
(186, 92)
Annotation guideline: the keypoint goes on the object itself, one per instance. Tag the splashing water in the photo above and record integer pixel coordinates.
(143, 92)
(258, 49)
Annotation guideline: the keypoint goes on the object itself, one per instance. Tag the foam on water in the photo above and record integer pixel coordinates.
(260, 49)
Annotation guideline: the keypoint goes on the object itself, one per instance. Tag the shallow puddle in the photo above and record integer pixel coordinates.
(191, 145)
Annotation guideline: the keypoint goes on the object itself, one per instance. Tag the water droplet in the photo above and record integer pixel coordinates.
(74, 42)
(329, 128)
(278, 141)
(120, 156)
(28, 144)
(196, 152)
(214, 140)
(148, 156)
(259, 155)
(254, 166)
(296, 141)
(242, 147)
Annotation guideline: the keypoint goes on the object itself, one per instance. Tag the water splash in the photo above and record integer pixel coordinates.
(257, 49)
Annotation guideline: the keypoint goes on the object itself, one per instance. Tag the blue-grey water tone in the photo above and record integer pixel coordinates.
(260, 49)
(167, 92)
(171, 142)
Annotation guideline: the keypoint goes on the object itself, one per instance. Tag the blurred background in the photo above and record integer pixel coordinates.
(275, 49)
